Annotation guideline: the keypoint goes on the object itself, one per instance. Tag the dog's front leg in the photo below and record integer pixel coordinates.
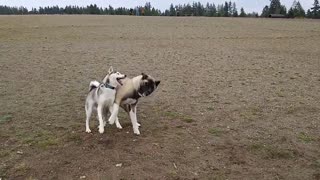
(117, 119)
(100, 111)
(114, 113)
(133, 117)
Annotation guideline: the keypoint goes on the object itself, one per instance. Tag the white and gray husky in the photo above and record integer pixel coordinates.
(102, 96)
(127, 97)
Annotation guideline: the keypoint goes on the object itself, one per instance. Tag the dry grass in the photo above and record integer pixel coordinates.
(238, 99)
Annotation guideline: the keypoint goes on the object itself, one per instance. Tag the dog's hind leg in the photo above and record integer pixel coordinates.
(100, 111)
(88, 115)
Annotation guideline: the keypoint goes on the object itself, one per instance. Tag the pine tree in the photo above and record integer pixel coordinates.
(230, 9)
(226, 9)
(242, 13)
(213, 10)
(283, 10)
(234, 10)
(296, 10)
(265, 11)
(172, 10)
(316, 9)
(275, 7)
(309, 14)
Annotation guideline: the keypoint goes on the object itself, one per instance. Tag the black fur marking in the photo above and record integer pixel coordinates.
(147, 87)
(157, 83)
(144, 76)
(91, 88)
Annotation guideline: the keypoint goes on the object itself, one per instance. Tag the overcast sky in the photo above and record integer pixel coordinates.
(249, 5)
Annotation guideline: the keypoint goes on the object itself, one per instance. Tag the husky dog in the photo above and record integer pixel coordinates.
(101, 96)
(128, 95)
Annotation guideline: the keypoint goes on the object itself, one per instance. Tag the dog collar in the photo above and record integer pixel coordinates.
(109, 86)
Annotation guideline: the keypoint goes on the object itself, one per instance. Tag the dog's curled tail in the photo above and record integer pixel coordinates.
(93, 84)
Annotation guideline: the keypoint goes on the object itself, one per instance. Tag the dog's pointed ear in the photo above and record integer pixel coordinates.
(110, 70)
(157, 83)
(144, 76)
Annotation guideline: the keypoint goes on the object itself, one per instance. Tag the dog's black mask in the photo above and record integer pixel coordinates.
(148, 85)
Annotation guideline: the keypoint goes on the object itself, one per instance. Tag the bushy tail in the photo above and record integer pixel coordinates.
(93, 84)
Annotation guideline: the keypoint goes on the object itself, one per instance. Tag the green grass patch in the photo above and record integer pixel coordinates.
(41, 139)
(271, 152)
(316, 163)
(47, 143)
(215, 132)
(187, 120)
(4, 153)
(175, 115)
(210, 108)
(21, 169)
(274, 153)
(171, 114)
(305, 137)
(256, 147)
(6, 118)
(251, 113)
(75, 138)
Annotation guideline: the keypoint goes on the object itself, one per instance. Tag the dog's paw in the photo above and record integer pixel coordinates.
(119, 126)
(111, 122)
(88, 130)
(136, 131)
(138, 124)
(101, 130)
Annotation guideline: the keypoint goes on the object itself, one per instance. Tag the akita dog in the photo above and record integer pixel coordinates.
(128, 94)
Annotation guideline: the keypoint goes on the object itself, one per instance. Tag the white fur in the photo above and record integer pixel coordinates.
(94, 84)
(114, 113)
(100, 98)
(134, 121)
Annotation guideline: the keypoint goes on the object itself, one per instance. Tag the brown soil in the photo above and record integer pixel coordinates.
(238, 99)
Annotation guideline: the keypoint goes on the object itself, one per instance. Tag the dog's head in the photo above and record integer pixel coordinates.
(147, 85)
(115, 77)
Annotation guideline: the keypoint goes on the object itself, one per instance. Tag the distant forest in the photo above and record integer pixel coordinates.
(227, 9)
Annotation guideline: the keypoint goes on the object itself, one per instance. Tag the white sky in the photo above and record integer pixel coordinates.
(249, 5)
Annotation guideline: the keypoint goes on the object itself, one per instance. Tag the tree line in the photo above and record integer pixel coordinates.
(227, 9)
(296, 10)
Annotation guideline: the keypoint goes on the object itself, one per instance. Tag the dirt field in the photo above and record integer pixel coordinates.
(238, 99)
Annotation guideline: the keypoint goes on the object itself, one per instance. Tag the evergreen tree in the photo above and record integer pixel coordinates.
(296, 10)
(226, 9)
(220, 10)
(316, 9)
(242, 13)
(283, 10)
(230, 13)
(111, 10)
(265, 11)
(172, 10)
(275, 7)
(234, 10)
(309, 14)
(213, 10)
(147, 9)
